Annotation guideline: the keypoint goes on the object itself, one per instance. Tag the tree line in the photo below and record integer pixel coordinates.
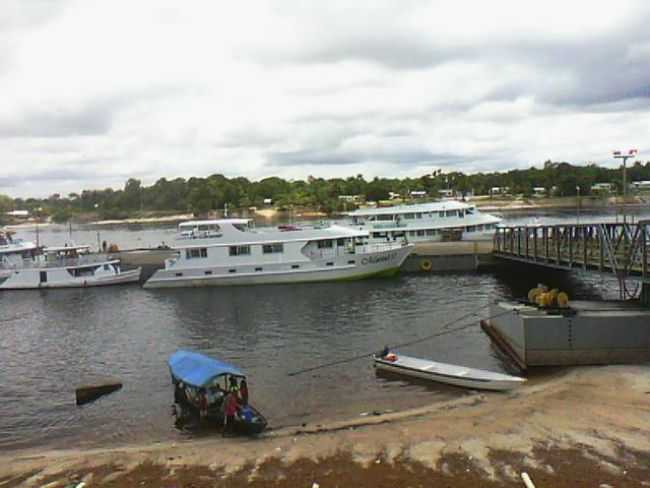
(199, 195)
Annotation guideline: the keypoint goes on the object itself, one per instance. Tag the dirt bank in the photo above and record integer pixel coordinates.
(584, 427)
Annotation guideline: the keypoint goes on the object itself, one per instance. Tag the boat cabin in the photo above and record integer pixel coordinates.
(206, 229)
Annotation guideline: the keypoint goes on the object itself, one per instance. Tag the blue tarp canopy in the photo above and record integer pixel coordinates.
(198, 370)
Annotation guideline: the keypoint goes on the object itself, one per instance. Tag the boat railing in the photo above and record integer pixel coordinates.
(56, 262)
(381, 246)
(389, 225)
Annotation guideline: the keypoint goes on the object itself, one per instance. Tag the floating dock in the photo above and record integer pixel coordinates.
(588, 333)
(434, 257)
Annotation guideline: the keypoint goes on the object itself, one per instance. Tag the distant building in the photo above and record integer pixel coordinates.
(446, 193)
(417, 194)
(21, 214)
(602, 187)
(641, 185)
(393, 195)
(539, 191)
(499, 190)
(268, 201)
(351, 198)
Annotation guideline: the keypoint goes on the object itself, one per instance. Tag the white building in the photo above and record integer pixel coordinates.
(602, 187)
(417, 194)
(19, 213)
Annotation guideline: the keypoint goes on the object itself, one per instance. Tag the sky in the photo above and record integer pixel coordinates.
(95, 92)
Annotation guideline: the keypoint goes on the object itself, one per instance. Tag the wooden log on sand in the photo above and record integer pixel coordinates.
(89, 393)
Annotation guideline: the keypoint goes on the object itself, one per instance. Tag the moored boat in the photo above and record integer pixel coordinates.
(23, 265)
(231, 252)
(450, 374)
(426, 222)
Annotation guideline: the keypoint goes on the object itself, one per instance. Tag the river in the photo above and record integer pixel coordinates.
(53, 340)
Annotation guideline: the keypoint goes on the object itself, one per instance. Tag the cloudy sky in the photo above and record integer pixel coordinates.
(95, 92)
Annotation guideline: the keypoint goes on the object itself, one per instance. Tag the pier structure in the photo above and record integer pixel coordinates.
(617, 249)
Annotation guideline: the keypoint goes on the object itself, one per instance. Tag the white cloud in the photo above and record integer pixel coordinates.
(95, 92)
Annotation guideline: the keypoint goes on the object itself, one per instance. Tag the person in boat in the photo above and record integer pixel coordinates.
(179, 393)
(387, 355)
(203, 403)
(243, 392)
(233, 387)
(229, 413)
(215, 395)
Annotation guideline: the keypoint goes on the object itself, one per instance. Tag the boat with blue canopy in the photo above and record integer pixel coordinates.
(202, 383)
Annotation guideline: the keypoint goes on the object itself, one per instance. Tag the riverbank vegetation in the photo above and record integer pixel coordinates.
(200, 195)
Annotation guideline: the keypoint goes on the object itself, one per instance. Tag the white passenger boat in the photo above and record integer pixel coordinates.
(451, 374)
(232, 252)
(426, 222)
(23, 265)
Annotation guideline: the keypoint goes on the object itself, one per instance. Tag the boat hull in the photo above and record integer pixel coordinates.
(385, 263)
(28, 279)
(449, 374)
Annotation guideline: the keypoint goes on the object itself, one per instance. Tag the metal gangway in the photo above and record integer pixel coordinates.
(618, 249)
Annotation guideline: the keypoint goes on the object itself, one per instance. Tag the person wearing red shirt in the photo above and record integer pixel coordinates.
(229, 411)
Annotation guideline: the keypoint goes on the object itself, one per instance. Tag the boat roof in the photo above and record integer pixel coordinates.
(192, 223)
(197, 369)
(84, 247)
(263, 236)
(420, 207)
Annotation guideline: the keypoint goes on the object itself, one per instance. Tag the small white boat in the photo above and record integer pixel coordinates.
(23, 265)
(451, 374)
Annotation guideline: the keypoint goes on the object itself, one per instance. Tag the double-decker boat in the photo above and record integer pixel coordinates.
(434, 221)
(232, 252)
(24, 265)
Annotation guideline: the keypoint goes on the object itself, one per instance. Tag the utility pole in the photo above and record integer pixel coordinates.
(578, 205)
(620, 155)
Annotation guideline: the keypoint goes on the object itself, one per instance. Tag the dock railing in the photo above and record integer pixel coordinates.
(620, 249)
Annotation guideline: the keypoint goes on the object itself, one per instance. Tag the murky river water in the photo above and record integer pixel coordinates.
(53, 340)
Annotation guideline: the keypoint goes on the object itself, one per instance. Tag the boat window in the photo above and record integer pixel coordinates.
(420, 233)
(43, 276)
(430, 232)
(240, 250)
(412, 233)
(196, 253)
(107, 267)
(452, 213)
(208, 272)
(340, 242)
(295, 266)
(469, 211)
(258, 269)
(325, 244)
(461, 214)
(471, 228)
(384, 217)
(352, 261)
(232, 270)
(418, 215)
(409, 216)
(273, 248)
(329, 263)
(241, 227)
(179, 274)
(441, 214)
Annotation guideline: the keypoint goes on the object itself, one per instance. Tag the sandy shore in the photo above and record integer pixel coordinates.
(581, 427)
